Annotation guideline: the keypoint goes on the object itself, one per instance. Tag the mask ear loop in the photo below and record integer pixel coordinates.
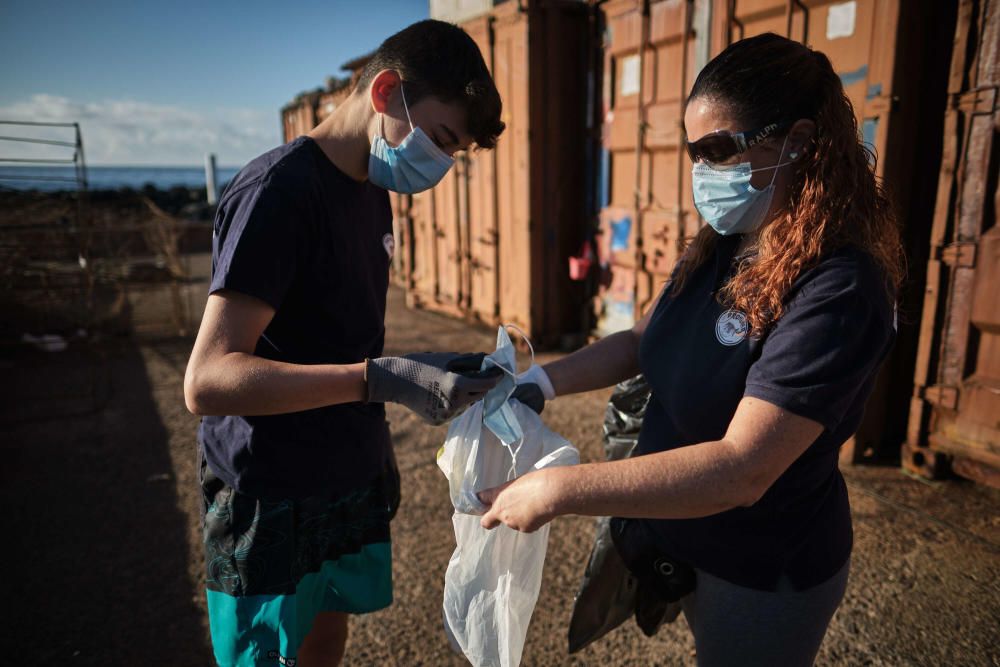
(512, 473)
(381, 116)
(524, 337)
(776, 166)
(406, 108)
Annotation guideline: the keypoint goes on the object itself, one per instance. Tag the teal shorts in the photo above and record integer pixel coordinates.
(272, 565)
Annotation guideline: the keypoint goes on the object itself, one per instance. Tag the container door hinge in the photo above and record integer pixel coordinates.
(957, 255)
(977, 101)
(942, 396)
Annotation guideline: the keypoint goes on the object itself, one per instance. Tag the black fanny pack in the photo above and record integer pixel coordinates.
(669, 579)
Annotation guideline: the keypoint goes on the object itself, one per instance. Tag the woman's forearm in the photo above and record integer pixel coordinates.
(683, 483)
(598, 365)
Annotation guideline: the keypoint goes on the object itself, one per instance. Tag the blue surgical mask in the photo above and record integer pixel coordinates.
(727, 201)
(497, 413)
(415, 165)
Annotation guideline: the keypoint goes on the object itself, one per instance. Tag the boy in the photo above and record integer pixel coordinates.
(300, 488)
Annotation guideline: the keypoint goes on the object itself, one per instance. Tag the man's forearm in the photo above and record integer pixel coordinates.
(598, 365)
(243, 384)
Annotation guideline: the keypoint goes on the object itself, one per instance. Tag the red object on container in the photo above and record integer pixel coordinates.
(579, 265)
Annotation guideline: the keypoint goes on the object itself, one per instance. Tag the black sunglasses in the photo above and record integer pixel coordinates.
(722, 145)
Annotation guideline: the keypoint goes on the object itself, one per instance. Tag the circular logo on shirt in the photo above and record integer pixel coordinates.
(731, 327)
(389, 243)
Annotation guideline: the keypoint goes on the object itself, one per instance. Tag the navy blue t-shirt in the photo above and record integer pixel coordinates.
(296, 232)
(818, 361)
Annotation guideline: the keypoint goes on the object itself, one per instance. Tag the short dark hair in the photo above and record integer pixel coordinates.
(439, 59)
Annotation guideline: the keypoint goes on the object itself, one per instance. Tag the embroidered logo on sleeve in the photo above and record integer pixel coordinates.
(389, 243)
(731, 327)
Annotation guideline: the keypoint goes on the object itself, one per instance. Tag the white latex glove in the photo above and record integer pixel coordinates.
(537, 375)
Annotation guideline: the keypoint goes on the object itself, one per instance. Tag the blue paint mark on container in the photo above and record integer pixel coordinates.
(604, 179)
(620, 230)
(851, 78)
(869, 129)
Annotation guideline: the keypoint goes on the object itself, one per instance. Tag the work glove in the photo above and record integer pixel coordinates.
(435, 385)
(533, 388)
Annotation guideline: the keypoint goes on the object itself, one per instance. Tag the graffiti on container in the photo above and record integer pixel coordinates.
(854, 76)
(620, 231)
(618, 315)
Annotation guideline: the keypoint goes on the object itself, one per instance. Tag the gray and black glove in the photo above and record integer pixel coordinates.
(435, 385)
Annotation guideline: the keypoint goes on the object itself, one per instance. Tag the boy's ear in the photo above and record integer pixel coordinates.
(384, 85)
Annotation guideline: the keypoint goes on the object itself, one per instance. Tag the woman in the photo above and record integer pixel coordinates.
(760, 352)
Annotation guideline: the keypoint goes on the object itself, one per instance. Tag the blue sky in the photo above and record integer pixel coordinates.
(165, 82)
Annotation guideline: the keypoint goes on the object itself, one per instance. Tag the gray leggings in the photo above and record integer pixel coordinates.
(733, 625)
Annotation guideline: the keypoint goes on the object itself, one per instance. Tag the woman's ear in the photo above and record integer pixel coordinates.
(384, 86)
(800, 137)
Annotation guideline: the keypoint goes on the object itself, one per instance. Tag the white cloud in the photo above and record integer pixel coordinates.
(139, 133)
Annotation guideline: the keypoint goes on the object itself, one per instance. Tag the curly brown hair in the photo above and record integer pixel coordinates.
(835, 199)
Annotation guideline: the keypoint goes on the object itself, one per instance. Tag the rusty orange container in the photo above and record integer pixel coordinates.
(955, 415)
(491, 242)
(649, 64)
(891, 58)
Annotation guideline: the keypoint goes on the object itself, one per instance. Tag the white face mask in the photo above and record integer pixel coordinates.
(727, 201)
(415, 165)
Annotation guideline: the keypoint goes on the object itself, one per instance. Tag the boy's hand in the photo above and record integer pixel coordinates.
(435, 385)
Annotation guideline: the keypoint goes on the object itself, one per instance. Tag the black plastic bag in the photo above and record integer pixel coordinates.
(609, 593)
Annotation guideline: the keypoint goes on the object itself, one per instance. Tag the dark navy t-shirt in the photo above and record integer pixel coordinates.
(299, 234)
(818, 361)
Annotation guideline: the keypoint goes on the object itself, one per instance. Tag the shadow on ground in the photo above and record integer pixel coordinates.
(103, 563)
(96, 559)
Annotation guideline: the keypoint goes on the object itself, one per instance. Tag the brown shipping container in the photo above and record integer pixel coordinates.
(645, 180)
(491, 242)
(649, 213)
(955, 414)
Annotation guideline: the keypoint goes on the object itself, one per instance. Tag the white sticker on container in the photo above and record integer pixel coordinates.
(840, 21)
(630, 76)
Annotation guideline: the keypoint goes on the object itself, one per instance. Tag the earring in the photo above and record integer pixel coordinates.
(793, 155)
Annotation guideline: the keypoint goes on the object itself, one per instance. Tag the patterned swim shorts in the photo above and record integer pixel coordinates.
(272, 565)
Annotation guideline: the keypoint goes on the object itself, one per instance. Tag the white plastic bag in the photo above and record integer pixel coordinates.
(494, 576)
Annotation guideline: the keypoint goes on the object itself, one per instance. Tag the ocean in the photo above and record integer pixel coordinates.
(52, 179)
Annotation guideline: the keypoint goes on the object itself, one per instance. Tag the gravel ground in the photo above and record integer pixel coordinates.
(103, 562)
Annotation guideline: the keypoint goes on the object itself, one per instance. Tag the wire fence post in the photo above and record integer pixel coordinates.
(211, 191)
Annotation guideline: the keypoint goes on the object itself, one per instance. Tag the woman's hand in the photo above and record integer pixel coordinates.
(525, 504)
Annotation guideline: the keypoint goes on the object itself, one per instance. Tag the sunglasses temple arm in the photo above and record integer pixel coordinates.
(741, 141)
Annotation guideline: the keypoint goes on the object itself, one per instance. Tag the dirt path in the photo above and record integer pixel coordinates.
(103, 561)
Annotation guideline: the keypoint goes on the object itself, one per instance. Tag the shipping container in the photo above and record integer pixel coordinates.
(652, 52)
(459, 11)
(491, 242)
(888, 54)
(299, 115)
(311, 108)
(955, 414)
